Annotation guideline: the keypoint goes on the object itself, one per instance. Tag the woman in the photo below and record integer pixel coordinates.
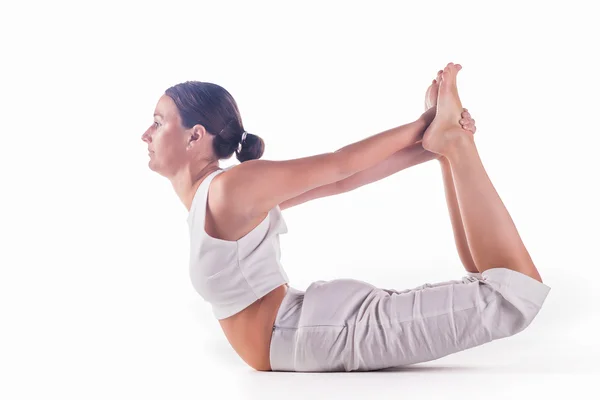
(341, 325)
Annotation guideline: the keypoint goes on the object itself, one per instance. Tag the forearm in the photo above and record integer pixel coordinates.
(373, 150)
(408, 157)
(457, 225)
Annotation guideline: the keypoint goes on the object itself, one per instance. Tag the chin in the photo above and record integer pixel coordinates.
(151, 165)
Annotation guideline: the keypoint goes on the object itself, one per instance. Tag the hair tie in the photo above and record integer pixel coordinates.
(244, 137)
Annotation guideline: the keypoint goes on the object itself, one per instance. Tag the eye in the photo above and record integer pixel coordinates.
(156, 124)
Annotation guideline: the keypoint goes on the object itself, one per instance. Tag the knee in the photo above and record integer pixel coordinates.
(505, 318)
(514, 301)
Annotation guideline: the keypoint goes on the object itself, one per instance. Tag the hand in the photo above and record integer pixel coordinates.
(428, 116)
(467, 122)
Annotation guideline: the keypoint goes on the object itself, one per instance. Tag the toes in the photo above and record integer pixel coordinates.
(452, 67)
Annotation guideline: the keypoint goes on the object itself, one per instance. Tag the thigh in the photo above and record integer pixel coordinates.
(420, 324)
(351, 325)
(470, 277)
(348, 324)
(434, 320)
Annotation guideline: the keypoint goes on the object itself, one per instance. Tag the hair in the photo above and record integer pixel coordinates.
(212, 106)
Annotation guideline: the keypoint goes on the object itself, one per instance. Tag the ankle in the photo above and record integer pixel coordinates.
(459, 144)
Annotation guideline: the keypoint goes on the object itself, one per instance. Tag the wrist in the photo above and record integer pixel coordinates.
(427, 117)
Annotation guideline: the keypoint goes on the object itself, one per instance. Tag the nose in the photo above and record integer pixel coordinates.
(145, 137)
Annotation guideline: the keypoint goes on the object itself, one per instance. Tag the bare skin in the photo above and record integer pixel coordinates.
(490, 231)
(458, 229)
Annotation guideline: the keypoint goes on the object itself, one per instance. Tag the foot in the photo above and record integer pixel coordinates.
(445, 128)
(431, 95)
(431, 99)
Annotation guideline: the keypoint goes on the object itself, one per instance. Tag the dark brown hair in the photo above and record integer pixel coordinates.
(212, 106)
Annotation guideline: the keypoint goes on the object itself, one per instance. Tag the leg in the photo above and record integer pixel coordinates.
(431, 97)
(493, 238)
(491, 234)
(458, 229)
(350, 325)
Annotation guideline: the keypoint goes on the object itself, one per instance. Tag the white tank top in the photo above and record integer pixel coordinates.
(231, 275)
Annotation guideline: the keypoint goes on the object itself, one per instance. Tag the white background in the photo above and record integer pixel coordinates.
(95, 298)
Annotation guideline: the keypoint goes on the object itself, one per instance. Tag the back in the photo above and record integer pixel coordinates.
(231, 275)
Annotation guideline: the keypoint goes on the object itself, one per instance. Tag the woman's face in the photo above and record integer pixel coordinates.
(166, 139)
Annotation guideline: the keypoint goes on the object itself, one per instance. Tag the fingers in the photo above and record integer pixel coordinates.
(466, 117)
(466, 121)
(471, 128)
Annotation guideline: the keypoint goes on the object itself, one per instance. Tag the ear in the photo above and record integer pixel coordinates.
(197, 132)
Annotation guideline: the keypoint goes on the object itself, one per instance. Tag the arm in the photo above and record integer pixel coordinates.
(264, 184)
(405, 158)
(408, 157)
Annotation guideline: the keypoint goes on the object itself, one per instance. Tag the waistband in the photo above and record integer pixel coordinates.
(283, 340)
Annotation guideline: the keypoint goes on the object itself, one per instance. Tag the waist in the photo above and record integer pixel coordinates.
(231, 287)
(249, 331)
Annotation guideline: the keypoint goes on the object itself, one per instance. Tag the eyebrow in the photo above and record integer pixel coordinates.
(158, 115)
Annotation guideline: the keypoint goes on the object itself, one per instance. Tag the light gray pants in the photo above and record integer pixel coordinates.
(350, 325)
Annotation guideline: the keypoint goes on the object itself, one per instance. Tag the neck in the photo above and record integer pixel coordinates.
(187, 181)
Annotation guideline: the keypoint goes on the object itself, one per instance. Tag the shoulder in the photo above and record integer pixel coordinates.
(228, 217)
(228, 190)
(257, 186)
(222, 199)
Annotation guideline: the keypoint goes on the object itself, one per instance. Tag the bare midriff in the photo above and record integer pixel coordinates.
(249, 331)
